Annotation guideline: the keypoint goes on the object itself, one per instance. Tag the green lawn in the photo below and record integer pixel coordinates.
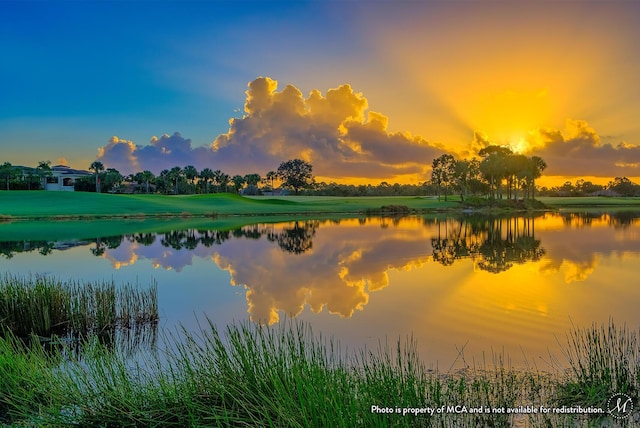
(48, 205)
(589, 201)
(40, 215)
(22, 212)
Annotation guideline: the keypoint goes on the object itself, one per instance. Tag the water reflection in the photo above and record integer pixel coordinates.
(334, 265)
(496, 244)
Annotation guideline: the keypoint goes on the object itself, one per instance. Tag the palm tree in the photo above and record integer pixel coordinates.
(537, 165)
(164, 181)
(43, 170)
(190, 172)
(221, 179)
(238, 182)
(175, 175)
(272, 175)
(97, 167)
(224, 181)
(147, 176)
(252, 181)
(206, 175)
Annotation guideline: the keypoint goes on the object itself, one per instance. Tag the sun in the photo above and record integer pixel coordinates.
(520, 146)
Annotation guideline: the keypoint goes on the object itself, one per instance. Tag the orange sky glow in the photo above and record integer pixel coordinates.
(395, 85)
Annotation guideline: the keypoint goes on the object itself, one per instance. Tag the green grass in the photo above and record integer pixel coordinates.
(602, 359)
(75, 215)
(73, 205)
(288, 376)
(44, 307)
(590, 201)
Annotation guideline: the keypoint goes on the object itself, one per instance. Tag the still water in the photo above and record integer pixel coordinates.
(464, 287)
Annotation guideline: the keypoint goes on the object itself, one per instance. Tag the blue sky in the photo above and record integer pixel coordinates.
(549, 78)
(79, 72)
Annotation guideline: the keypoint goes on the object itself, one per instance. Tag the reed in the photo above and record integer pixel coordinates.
(603, 359)
(286, 375)
(250, 375)
(44, 306)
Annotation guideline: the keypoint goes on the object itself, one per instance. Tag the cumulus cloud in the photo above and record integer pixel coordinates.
(579, 150)
(161, 153)
(480, 141)
(335, 132)
(334, 277)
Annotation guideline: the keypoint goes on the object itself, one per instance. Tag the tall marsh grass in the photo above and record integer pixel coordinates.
(44, 306)
(247, 375)
(602, 359)
(287, 376)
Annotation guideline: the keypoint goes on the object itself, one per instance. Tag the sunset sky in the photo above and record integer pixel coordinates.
(364, 90)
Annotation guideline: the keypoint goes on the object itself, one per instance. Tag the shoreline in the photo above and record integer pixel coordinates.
(18, 206)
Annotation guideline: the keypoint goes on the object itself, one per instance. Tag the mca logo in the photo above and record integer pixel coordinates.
(620, 406)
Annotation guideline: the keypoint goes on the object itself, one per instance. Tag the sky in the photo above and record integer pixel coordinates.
(367, 91)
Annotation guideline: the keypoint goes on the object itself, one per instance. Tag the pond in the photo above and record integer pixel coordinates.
(464, 287)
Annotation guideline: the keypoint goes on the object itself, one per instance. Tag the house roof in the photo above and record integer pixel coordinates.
(65, 170)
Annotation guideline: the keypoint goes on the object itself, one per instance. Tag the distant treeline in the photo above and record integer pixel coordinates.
(498, 173)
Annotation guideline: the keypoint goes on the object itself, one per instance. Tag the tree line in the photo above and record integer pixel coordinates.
(295, 174)
(497, 173)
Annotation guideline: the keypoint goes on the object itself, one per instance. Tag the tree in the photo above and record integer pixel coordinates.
(217, 179)
(443, 173)
(163, 181)
(111, 180)
(466, 171)
(224, 181)
(190, 172)
(536, 165)
(206, 175)
(270, 177)
(43, 171)
(252, 181)
(146, 177)
(517, 172)
(623, 186)
(7, 172)
(97, 167)
(175, 175)
(296, 173)
(494, 167)
(238, 182)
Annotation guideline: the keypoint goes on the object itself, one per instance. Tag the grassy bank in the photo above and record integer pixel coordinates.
(590, 202)
(39, 215)
(286, 375)
(74, 205)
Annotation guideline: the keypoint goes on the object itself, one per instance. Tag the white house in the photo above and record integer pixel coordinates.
(64, 178)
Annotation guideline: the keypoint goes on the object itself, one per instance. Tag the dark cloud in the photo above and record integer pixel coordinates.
(578, 151)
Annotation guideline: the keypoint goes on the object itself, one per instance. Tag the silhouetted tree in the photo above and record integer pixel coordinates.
(175, 175)
(206, 175)
(296, 173)
(190, 172)
(443, 173)
(238, 182)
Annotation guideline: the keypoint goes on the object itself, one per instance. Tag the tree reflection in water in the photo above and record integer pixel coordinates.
(297, 239)
(494, 243)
